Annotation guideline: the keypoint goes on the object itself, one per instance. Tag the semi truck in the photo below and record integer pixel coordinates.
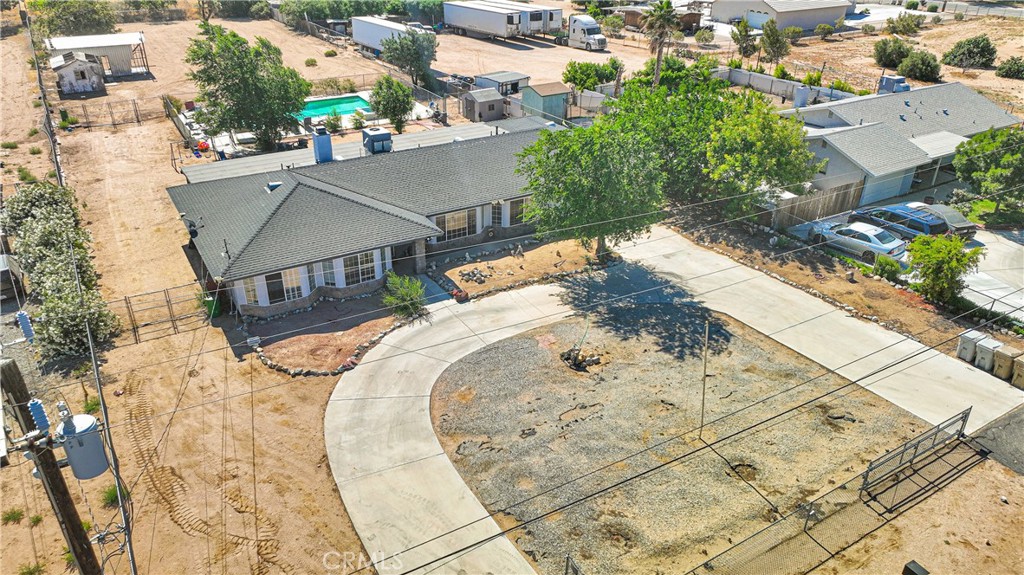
(369, 32)
(583, 33)
(534, 18)
(482, 19)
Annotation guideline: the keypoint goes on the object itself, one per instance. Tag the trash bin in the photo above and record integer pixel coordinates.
(212, 306)
(985, 357)
(968, 342)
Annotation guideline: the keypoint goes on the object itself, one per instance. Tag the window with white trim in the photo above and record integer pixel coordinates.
(359, 268)
(311, 276)
(457, 225)
(249, 287)
(496, 215)
(516, 211)
(292, 284)
(328, 277)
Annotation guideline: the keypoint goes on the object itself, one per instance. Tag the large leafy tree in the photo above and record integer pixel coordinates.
(587, 75)
(942, 262)
(992, 164)
(753, 152)
(412, 53)
(743, 36)
(773, 42)
(602, 182)
(392, 100)
(244, 87)
(659, 22)
(976, 52)
(73, 17)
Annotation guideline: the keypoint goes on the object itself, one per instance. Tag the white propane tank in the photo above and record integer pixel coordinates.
(83, 445)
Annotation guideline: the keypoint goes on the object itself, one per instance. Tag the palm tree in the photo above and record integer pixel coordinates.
(659, 22)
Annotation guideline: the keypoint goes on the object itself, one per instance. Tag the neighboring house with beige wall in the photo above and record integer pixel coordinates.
(805, 14)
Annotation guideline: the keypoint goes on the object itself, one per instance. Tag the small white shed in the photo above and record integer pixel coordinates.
(77, 72)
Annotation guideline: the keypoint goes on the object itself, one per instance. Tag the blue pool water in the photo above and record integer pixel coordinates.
(342, 105)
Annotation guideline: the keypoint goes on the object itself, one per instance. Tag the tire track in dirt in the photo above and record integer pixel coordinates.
(171, 489)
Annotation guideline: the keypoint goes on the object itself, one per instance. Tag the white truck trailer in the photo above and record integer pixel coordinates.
(482, 19)
(534, 18)
(583, 33)
(369, 32)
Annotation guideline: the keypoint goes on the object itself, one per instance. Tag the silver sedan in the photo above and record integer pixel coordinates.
(858, 238)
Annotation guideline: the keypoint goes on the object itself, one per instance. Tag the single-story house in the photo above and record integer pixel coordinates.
(549, 100)
(120, 54)
(882, 142)
(77, 72)
(632, 16)
(483, 105)
(504, 82)
(279, 240)
(805, 14)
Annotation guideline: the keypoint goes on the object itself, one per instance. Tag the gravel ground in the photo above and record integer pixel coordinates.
(523, 430)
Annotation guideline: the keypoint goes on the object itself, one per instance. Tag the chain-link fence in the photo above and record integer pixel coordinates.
(113, 112)
(160, 313)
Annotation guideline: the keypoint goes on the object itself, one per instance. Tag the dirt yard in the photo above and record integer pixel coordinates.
(519, 432)
(964, 528)
(502, 270)
(850, 58)
(18, 116)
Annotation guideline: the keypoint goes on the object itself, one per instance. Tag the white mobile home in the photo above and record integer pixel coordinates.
(119, 54)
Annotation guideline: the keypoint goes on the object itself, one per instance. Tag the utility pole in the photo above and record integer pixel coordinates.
(704, 379)
(51, 476)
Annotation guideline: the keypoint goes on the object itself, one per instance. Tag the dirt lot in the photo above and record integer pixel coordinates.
(962, 529)
(522, 430)
(850, 58)
(17, 115)
(505, 270)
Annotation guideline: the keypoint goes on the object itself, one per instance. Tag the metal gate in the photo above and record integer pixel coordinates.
(160, 313)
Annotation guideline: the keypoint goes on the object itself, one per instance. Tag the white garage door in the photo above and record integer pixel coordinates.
(757, 19)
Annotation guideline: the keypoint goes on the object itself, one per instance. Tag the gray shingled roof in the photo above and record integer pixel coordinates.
(864, 146)
(941, 108)
(434, 180)
(301, 222)
(797, 5)
(484, 95)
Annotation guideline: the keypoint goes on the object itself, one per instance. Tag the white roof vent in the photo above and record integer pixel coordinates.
(271, 186)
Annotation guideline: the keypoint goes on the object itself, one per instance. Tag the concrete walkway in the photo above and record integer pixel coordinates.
(399, 487)
(403, 494)
(999, 281)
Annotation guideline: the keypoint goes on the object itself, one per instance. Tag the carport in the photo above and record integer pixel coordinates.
(120, 54)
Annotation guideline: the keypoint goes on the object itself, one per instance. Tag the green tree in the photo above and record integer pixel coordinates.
(754, 152)
(941, 262)
(404, 294)
(975, 52)
(889, 52)
(704, 36)
(412, 53)
(906, 24)
(659, 22)
(992, 164)
(824, 31)
(793, 34)
(392, 100)
(603, 182)
(208, 9)
(743, 37)
(773, 43)
(920, 65)
(244, 87)
(673, 73)
(587, 75)
(613, 25)
(1012, 67)
(594, 11)
(73, 17)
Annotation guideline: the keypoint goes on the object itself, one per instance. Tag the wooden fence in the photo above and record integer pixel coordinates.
(802, 209)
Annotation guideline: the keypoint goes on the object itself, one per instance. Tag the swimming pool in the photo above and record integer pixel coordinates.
(341, 105)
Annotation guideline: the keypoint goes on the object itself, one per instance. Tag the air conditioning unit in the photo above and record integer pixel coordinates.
(966, 349)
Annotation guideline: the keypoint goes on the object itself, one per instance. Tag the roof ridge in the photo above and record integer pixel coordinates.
(284, 197)
(357, 198)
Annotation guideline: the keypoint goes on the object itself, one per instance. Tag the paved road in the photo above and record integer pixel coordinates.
(1000, 276)
(402, 492)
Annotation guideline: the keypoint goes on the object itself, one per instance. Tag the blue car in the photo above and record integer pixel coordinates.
(902, 220)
